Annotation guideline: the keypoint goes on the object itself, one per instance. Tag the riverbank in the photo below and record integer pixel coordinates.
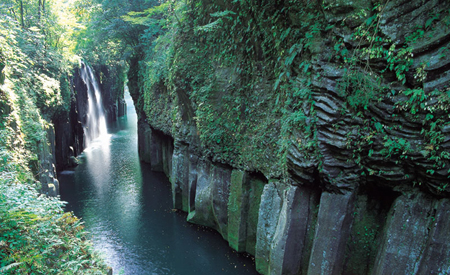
(127, 208)
(36, 235)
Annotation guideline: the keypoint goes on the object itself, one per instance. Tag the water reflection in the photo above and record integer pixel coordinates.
(98, 157)
(128, 210)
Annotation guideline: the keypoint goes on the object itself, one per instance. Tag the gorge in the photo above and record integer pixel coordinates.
(324, 154)
(128, 210)
(313, 136)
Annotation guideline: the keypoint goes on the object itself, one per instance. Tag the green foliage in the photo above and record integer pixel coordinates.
(241, 77)
(375, 67)
(359, 88)
(152, 17)
(106, 35)
(31, 92)
(33, 68)
(396, 147)
(226, 60)
(37, 237)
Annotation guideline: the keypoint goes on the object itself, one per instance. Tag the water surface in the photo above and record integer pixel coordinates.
(128, 210)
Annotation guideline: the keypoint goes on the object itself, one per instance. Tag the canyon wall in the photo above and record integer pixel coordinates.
(292, 228)
(339, 163)
(69, 135)
(65, 137)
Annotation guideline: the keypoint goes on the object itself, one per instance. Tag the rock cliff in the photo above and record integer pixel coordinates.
(69, 135)
(323, 151)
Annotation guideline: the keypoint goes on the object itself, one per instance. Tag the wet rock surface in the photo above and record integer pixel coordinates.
(369, 198)
(405, 237)
(46, 165)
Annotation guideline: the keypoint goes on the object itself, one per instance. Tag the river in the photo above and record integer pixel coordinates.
(128, 211)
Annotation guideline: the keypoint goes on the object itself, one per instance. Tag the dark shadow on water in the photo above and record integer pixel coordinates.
(127, 208)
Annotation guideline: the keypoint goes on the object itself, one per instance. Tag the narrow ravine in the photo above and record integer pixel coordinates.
(128, 210)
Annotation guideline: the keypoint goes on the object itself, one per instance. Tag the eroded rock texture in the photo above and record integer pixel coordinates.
(69, 135)
(365, 191)
(340, 128)
(46, 164)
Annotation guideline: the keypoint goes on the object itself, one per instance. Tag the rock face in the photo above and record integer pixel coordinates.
(47, 169)
(332, 232)
(69, 140)
(111, 81)
(365, 189)
(69, 135)
(405, 236)
(295, 229)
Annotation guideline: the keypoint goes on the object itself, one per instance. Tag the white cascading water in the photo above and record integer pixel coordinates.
(96, 122)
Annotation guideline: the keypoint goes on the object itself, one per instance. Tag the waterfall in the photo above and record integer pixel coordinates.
(96, 122)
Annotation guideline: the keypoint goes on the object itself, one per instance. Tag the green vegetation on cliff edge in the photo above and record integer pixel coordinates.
(251, 82)
(306, 91)
(36, 61)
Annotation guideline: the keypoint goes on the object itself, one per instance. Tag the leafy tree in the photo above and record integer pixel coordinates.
(36, 57)
(106, 37)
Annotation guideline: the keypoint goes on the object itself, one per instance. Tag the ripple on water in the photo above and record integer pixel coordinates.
(128, 210)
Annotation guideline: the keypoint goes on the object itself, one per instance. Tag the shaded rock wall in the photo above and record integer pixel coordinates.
(69, 135)
(296, 229)
(111, 81)
(46, 167)
(155, 148)
(369, 197)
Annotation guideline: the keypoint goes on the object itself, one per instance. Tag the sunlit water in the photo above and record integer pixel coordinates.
(128, 210)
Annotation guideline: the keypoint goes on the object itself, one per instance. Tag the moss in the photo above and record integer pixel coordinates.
(254, 195)
(362, 249)
(236, 211)
(243, 210)
(370, 216)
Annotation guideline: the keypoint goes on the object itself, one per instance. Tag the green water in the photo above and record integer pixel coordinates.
(128, 210)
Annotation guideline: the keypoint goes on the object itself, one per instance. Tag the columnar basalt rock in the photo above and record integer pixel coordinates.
(438, 244)
(238, 210)
(369, 219)
(269, 212)
(334, 222)
(144, 141)
(155, 148)
(201, 188)
(202, 210)
(180, 177)
(220, 178)
(290, 247)
(256, 188)
(406, 235)
(193, 176)
(362, 192)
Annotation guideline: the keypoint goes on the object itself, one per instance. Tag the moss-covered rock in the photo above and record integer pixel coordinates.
(333, 99)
